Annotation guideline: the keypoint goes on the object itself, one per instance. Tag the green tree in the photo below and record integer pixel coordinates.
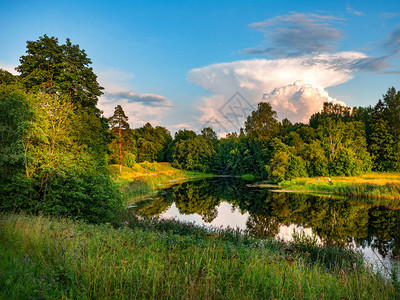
(6, 77)
(317, 162)
(153, 143)
(194, 154)
(146, 150)
(284, 164)
(15, 115)
(332, 111)
(382, 145)
(49, 170)
(392, 110)
(262, 123)
(119, 123)
(15, 120)
(62, 70)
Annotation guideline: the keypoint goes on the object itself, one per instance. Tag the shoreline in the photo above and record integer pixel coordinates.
(381, 187)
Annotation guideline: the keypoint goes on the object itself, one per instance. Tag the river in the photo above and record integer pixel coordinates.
(232, 202)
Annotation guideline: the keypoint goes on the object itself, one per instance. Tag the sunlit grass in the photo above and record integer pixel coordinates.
(146, 171)
(143, 179)
(385, 186)
(53, 258)
(368, 178)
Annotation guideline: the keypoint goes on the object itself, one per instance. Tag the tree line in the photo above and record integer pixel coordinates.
(337, 141)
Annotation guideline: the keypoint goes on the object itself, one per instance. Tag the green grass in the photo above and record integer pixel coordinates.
(380, 188)
(149, 259)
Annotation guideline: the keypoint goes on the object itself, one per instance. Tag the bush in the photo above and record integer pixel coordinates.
(92, 197)
(130, 160)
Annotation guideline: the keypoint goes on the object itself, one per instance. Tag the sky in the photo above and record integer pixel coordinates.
(191, 64)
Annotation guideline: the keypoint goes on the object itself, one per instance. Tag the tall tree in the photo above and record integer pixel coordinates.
(382, 140)
(119, 122)
(262, 123)
(62, 70)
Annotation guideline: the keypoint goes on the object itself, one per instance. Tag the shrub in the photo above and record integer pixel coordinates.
(92, 197)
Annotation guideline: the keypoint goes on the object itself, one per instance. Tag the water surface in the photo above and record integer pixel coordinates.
(232, 202)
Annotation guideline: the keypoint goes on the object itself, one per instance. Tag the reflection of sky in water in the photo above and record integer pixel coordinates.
(227, 217)
(286, 232)
(233, 218)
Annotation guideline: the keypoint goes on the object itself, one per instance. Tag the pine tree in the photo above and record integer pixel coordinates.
(119, 122)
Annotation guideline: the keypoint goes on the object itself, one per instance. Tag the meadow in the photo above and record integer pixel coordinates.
(42, 257)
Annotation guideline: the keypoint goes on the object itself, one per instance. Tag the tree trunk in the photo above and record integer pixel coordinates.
(120, 145)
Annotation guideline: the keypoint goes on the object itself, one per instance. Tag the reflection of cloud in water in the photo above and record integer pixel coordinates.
(233, 218)
(173, 213)
(379, 263)
(286, 232)
(230, 217)
(227, 217)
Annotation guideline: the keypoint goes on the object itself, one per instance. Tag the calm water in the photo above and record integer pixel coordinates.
(231, 202)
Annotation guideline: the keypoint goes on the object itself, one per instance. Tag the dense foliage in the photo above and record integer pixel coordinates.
(54, 143)
(59, 69)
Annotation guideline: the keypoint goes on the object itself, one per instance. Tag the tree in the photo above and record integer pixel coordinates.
(43, 167)
(61, 70)
(119, 123)
(15, 117)
(333, 111)
(209, 134)
(382, 145)
(6, 77)
(153, 143)
(262, 123)
(194, 153)
(392, 110)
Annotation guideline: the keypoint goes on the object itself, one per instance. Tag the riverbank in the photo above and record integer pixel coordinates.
(56, 258)
(144, 179)
(383, 188)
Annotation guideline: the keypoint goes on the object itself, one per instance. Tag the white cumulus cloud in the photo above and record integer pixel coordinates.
(298, 101)
(294, 86)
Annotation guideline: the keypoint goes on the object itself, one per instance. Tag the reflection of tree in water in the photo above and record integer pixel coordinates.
(196, 197)
(335, 221)
(262, 226)
(384, 225)
(157, 206)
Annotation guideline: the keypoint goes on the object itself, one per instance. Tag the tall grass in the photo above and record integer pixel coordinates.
(53, 258)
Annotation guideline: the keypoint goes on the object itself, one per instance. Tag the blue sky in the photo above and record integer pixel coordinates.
(176, 63)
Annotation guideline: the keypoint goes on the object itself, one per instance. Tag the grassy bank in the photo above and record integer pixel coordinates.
(53, 258)
(382, 186)
(143, 179)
